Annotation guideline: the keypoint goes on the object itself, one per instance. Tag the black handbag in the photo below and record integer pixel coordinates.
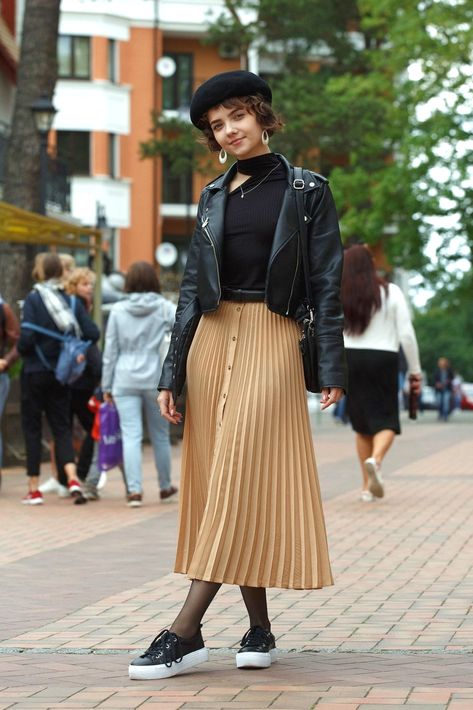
(308, 341)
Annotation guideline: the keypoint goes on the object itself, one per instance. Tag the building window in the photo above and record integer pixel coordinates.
(113, 155)
(177, 189)
(112, 60)
(73, 148)
(177, 89)
(73, 57)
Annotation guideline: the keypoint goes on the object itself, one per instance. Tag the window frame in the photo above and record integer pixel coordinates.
(65, 157)
(175, 79)
(113, 156)
(179, 183)
(72, 58)
(112, 61)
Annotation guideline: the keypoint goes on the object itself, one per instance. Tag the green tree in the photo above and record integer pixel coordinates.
(342, 73)
(444, 328)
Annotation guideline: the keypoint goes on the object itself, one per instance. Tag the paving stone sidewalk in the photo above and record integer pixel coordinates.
(85, 587)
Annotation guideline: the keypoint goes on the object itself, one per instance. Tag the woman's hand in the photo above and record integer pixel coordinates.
(415, 383)
(168, 408)
(330, 395)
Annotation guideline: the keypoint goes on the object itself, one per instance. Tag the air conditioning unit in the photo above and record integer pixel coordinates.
(227, 50)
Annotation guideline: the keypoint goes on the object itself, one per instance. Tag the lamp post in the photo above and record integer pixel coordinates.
(43, 114)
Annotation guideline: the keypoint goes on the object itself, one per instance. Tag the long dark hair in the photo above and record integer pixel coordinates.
(360, 293)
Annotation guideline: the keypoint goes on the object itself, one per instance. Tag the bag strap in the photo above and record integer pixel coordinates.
(43, 331)
(298, 184)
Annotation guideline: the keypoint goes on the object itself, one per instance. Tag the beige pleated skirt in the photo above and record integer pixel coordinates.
(250, 507)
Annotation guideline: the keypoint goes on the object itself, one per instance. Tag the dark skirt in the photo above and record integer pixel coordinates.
(372, 401)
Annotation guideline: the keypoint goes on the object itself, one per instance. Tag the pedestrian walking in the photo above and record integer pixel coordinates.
(377, 323)
(9, 334)
(443, 383)
(250, 507)
(49, 307)
(80, 285)
(132, 362)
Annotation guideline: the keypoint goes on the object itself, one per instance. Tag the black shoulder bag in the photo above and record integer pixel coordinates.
(308, 341)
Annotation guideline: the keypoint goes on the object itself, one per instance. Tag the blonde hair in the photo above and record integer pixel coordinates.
(68, 264)
(79, 274)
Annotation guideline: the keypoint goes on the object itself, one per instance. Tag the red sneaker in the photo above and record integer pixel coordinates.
(74, 487)
(33, 498)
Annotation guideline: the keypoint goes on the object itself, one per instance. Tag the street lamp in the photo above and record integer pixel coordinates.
(43, 114)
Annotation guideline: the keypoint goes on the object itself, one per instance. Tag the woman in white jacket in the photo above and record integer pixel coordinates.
(377, 322)
(132, 361)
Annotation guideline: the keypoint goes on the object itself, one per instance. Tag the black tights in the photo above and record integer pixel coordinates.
(200, 597)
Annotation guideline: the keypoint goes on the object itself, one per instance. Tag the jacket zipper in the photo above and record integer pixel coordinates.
(294, 278)
(207, 234)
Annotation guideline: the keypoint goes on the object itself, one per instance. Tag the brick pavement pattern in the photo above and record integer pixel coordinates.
(83, 587)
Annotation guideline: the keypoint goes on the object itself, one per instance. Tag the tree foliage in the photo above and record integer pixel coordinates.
(177, 142)
(378, 95)
(445, 329)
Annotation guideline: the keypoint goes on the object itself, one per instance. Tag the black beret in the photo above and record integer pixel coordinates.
(224, 86)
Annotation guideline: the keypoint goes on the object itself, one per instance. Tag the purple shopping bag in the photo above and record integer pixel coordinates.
(110, 443)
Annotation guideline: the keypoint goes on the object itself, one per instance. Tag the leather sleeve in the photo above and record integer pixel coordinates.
(188, 293)
(12, 334)
(326, 264)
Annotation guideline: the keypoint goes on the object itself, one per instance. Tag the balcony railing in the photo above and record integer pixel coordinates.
(58, 188)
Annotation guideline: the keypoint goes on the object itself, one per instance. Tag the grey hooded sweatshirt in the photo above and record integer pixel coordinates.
(135, 331)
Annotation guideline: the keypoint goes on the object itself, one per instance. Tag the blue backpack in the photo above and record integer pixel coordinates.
(67, 369)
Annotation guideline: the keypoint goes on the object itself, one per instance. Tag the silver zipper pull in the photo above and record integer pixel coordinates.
(205, 222)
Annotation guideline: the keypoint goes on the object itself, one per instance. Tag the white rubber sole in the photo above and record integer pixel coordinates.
(156, 672)
(375, 481)
(251, 659)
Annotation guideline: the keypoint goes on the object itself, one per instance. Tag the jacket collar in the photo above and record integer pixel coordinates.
(287, 225)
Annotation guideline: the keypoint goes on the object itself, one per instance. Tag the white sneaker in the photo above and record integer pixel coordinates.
(63, 491)
(50, 486)
(366, 497)
(375, 479)
(102, 480)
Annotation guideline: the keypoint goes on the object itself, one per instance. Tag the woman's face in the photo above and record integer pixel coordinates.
(237, 131)
(85, 289)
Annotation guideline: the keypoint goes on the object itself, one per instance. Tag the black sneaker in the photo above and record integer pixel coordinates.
(258, 649)
(168, 655)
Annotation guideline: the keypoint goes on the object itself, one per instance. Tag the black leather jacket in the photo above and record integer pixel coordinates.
(285, 289)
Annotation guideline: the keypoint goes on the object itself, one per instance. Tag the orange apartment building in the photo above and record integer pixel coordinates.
(107, 89)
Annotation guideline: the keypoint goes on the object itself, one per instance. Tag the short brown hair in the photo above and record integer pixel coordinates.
(142, 278)
(52, 267)
(256, 105)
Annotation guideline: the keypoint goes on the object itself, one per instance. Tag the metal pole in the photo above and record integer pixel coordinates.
(43, 170)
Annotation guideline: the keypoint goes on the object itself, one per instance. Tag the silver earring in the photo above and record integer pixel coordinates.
(265, 137)
(222, 156)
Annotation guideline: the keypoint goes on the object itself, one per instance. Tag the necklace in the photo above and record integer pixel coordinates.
(259, 183)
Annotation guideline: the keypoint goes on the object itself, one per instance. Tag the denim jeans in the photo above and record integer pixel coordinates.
(130, 409)
(4, 390)
(443, 403)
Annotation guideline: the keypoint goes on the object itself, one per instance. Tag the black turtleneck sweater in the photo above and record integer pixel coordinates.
(250, 222)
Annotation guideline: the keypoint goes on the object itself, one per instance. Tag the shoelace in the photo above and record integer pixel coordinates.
(166, 647)
(256, 636)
